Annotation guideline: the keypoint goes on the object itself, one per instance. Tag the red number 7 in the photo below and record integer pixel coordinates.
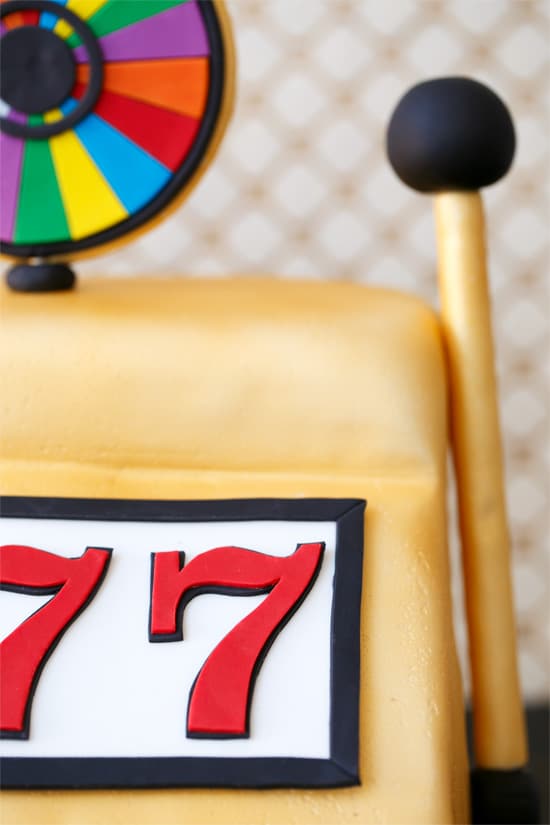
(219, 701)
(24, 652)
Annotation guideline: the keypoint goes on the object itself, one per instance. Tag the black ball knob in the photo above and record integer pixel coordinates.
(450, 134)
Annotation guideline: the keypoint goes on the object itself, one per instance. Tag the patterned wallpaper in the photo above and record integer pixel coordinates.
(301, 188)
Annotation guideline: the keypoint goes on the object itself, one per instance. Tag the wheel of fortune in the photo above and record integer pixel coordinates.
(110, 110)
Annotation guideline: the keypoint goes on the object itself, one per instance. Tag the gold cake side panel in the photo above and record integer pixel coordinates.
(412, 753)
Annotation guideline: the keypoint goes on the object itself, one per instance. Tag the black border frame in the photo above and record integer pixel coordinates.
(340, 769)
(177, 182)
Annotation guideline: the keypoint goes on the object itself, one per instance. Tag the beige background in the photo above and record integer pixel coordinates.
(301, 188)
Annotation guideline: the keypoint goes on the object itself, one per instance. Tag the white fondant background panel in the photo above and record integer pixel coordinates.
(107, 691)
(301, 188)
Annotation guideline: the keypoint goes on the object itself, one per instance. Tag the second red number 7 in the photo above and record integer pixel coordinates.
(219, 701)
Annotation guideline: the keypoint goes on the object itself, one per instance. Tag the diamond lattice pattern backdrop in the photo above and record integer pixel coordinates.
(301, 188)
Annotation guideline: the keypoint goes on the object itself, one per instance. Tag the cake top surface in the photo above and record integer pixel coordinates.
(235, 374)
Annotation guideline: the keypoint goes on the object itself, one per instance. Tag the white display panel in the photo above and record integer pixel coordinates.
(107, 691)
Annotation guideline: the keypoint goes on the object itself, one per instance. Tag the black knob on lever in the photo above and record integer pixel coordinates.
(450, 134)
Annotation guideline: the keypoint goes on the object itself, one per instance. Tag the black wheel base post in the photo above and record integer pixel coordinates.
(41, 277)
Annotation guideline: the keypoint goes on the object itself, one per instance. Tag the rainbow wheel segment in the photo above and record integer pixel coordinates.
(49, 20)
(117, 126)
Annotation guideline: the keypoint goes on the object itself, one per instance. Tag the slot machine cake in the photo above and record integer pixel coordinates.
(223, 534)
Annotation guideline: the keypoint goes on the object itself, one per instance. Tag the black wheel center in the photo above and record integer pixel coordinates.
(37, 71)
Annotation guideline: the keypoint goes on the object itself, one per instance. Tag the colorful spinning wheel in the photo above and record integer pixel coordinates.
(109, 110)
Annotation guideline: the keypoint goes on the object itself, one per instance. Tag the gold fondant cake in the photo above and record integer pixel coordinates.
(167, 443)
(271, 389)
